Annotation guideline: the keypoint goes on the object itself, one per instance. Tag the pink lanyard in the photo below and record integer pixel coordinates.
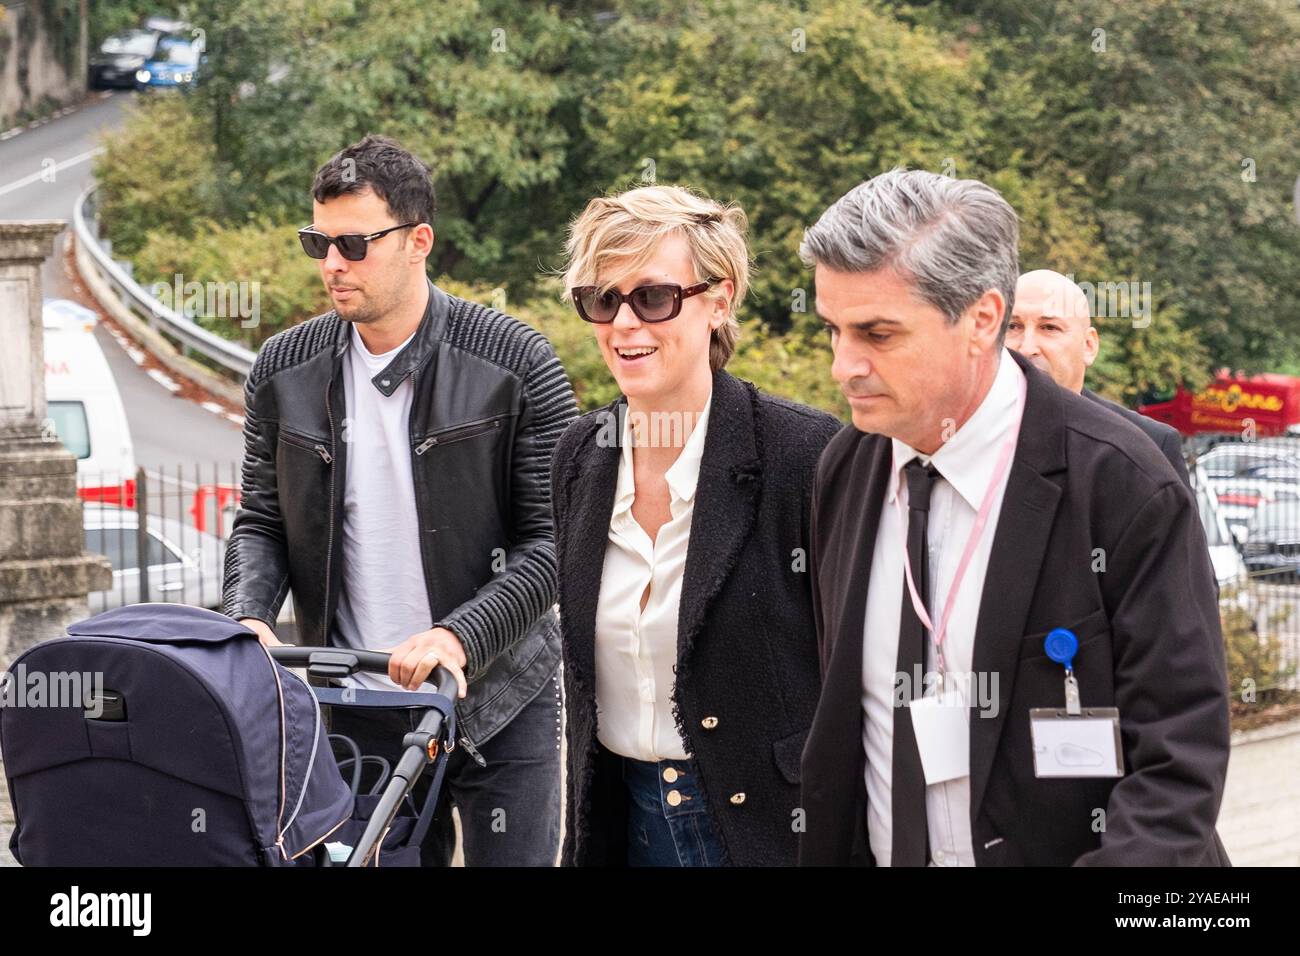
(972, 542)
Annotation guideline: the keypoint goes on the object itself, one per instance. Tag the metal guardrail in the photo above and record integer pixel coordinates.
(191, 335)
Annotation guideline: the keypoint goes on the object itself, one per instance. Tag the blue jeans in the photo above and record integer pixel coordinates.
(668, 819)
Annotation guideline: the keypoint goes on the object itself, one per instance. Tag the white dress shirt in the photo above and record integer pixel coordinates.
(636, 650)
(966, 464)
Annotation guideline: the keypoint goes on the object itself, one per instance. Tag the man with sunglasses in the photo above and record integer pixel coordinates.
(395, 478)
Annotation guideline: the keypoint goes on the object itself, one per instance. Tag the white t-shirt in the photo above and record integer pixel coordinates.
(383, 600)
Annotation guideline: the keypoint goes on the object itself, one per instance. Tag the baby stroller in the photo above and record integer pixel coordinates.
(167, 735)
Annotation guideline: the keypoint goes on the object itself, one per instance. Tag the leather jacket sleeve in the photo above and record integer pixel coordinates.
(256, 574)
(511, 602)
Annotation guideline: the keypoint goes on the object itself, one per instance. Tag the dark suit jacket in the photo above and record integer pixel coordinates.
(1148, 626)
(1166, 437)
(747, 675)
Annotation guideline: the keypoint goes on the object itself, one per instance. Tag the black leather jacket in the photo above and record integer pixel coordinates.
(490, 401)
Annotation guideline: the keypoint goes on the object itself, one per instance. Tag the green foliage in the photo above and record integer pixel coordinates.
(474, 87)
(1124, 164)
(1259, 673)
(1177, 121)
(156, 175)
(270, 258)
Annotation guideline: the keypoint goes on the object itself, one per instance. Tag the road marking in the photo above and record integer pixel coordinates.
(163, 380)
(14, 131)
(127, 345)
(58, 167)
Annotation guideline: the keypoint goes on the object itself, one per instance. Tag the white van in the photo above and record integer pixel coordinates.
(85, 410)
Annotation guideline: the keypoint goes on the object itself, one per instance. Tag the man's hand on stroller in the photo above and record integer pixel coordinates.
(415, 658)
(262, 630)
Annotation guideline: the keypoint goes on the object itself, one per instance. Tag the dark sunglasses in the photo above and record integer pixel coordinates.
(651, 303)
(351, 246)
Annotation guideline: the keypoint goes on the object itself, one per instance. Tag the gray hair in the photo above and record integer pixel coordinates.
(954, 238)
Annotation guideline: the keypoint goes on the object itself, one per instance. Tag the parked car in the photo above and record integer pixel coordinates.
(183, 563)
(1240, 498)
(1272, 549)
(120, 56)
(1230, 570)
(173, 65)
(1238, 459)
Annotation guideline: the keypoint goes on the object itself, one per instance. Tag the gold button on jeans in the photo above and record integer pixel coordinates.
(668, 819)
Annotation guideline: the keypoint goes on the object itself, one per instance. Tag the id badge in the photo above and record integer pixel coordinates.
(1086, 745)
(941, 725)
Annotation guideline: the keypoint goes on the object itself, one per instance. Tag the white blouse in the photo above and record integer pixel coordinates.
(636, 650)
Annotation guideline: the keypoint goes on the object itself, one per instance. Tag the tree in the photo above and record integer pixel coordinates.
(1176, 119)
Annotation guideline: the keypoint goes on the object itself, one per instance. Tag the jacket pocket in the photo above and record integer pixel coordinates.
(459, 433)
(316, 445)
(788, 752)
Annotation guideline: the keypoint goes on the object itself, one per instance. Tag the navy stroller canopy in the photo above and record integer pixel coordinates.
(190, 745)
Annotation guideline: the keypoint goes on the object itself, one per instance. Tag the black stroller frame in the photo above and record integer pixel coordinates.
(430, 744)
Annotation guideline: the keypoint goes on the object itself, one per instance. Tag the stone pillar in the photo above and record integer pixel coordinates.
(45, 572)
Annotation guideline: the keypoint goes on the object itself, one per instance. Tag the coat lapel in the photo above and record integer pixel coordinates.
(854, 546)
(1019, 544)
(726, 502)
(591, 505)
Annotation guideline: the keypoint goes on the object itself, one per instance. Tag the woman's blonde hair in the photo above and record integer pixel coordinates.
(628, 227)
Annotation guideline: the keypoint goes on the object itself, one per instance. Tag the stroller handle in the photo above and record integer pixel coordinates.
(343, 662)
(333, 662)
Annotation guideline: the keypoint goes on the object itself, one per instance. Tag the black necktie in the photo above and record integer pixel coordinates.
(910, 831)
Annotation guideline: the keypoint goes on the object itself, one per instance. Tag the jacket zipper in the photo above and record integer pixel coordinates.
(329, 541)
(472, 751)
(456, 434)
(420, 450)
(318, 448)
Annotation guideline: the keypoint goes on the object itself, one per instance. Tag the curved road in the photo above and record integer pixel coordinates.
(167, 431)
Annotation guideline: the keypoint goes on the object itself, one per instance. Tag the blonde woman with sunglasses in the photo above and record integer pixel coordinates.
(681, 512)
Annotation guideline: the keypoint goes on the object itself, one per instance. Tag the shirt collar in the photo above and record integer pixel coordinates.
(682, 477)
(967, 459)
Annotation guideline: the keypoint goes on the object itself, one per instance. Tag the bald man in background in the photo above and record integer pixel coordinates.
(1051, 325)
